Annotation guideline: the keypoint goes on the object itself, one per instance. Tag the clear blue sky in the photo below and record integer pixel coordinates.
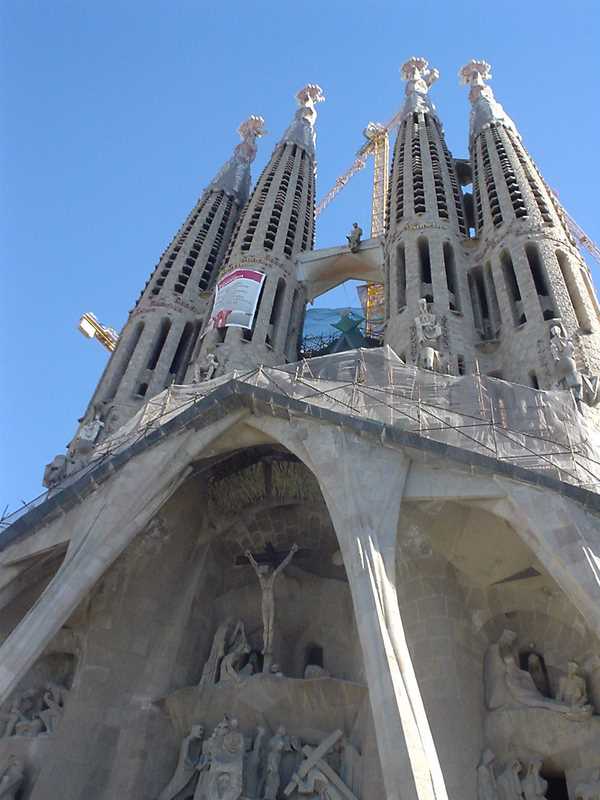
(117, 114)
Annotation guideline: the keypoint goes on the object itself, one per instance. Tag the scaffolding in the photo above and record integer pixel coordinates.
(541, 431)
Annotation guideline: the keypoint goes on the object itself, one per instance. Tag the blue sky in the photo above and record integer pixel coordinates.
(117, 114)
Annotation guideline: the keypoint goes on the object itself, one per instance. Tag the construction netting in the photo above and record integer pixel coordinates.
(538, 430)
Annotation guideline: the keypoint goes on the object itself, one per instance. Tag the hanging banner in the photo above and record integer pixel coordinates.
(236, 298)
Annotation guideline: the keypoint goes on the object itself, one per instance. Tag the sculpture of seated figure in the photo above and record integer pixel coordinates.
(354, 237)
(571, 688)
(508, 686)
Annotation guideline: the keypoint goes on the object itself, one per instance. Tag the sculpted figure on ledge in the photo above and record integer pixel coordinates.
(508, 686)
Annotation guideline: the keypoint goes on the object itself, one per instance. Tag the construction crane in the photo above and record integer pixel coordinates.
(92, 329)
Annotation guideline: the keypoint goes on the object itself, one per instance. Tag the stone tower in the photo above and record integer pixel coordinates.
(276, 225)
(425, 260)
(527, 275)
(158, 339)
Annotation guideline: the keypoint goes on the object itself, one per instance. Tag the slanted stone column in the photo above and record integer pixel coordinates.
(102, 526)
(363, 487)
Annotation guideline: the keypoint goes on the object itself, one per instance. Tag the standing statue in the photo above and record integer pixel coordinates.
(266, 577)
(487, 788)
(508, 686)
(223, 780)
(205, 370)
(210, 672)
(536, 670)
(11, 778)
(533, 785)
(12, 717)
(253, 765)
(571, 688)
(277, 745)
(185, 771)
(563, 353)
(428, 333)
(354, 237)
(509, 784)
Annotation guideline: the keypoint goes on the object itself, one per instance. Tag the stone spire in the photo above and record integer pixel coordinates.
(159, 337)
(485, 108)
(302, 129)
(276, 225)
(234, 177)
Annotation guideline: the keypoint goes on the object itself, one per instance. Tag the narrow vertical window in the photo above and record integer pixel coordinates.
(451, 277)
(512, 288)
(460, 363)
(276, 311)
(178, 363)
(401, 277)
(425, 269)
(579, 308)
(492, 297)
(163, 332)
(123, 354)
(534, 380)
(538, 273)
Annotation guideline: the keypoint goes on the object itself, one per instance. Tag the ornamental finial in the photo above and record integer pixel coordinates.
(418, 75)
(301, 131)
(486, 110)
(249, 131)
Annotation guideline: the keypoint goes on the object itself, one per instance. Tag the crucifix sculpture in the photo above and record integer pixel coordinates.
(267, 572)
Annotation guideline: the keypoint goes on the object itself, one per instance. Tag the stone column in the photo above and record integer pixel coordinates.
(592, 673)
(362, 486)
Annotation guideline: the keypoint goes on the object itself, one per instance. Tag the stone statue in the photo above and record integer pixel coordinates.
(419, 79)
(223, 780)
(29, 723)
(428, 333)
(354, 237)
(318, 784)
(12, 717)
(239, 649)
(485, 108)
(210, 672)
(533, 785)
(55, 471)
(509, 785)
(277, 744)
(11, 778)
(52, 713)
(88, 433)
(253, 765)
(487, 788)
(205, 371)
(316, 776)
(563, 353)
(572, 689)
(590, 790)
(508, 686)
(185, 771)
(266, 577)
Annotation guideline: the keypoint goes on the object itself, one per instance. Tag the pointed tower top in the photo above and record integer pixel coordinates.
(302, 130)
(234, 177)
(485, 108)
(419, 78)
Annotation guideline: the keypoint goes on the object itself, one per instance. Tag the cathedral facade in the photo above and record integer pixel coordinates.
(374, 573)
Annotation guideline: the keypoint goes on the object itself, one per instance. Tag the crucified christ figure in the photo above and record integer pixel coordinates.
(267, 574)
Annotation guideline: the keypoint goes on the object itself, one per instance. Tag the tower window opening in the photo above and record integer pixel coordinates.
(512, 288)
(538, 273)
(123, 353)
(533, 379)
(461, 366)
(579, 308)
(401, 278)
(163, 332)
(294, 326)
(142, 389)
(276, 311)
(177, 363)
(591, 292)
(481, 306)
(425, 269)
(451, 277)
